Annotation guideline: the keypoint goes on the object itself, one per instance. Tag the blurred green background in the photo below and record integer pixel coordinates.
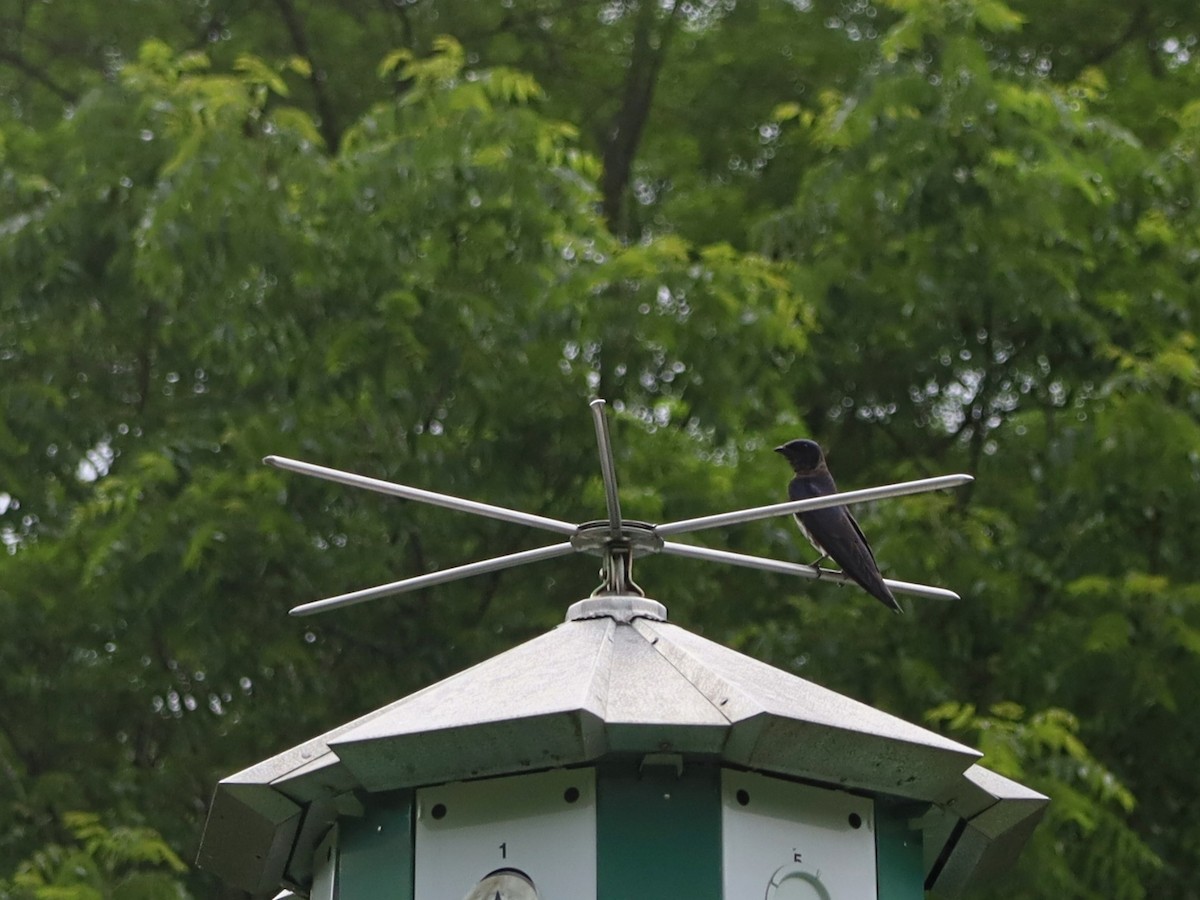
(412, 238)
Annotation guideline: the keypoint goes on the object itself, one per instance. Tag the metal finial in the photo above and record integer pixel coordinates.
(616, 540)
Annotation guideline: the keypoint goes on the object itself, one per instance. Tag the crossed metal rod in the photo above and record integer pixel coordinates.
(616, 538)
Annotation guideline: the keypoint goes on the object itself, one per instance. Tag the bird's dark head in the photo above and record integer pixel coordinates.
(804, 455)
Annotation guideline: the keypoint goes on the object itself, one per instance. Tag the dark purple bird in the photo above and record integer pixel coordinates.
(832, 531)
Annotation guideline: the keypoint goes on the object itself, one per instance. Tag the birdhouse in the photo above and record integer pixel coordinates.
(619, 757)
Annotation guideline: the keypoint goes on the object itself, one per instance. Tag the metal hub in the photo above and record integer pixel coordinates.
(596, 538)
(616, 574)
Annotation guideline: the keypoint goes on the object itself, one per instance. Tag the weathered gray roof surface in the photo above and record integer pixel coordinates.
(598, 686)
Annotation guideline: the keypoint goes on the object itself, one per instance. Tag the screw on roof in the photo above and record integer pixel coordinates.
(616, 540)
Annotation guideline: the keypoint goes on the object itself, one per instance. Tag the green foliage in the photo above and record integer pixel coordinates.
(1085, 847)
(99, 863)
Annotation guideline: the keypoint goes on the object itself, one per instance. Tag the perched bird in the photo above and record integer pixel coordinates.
(832, 531)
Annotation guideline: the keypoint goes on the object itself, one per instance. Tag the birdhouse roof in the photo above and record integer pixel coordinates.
(615, 679)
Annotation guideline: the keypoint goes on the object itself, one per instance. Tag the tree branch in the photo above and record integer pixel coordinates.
(10, 771)
(21, 64)
(295, 27)
(625, 133)
(1137, 25)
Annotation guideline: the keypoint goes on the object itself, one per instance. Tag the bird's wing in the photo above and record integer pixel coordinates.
(835, 532)
(854, 522)
(826, 528)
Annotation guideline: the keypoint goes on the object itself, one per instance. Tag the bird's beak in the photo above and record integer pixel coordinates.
(779, 449)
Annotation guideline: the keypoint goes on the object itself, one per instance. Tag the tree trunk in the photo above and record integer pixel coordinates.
(651, 37)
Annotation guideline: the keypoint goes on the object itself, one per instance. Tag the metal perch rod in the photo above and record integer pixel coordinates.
(789, 568)
(794, 506)
(608, 468)
(411, 493)
(441, 577)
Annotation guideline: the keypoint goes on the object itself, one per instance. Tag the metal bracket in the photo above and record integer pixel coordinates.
(616, 540)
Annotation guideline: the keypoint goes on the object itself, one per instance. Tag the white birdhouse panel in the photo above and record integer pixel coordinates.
(541, 825)
(788, 841)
